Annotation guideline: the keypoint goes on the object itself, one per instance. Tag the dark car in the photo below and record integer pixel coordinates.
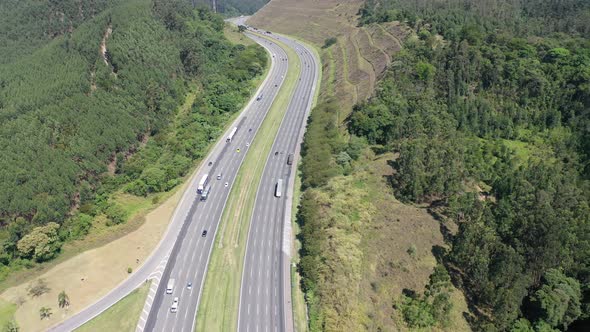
(204, 233)
(210, 163)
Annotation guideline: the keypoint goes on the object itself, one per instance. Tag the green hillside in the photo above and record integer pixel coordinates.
(484, 117)
(77, 124)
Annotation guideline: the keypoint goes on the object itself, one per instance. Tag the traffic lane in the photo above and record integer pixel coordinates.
(282, 143)
(267, 104)
(268, 101)
(259, 244)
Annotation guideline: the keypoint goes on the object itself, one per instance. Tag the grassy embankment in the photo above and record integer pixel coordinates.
(122, 316)
(218, 310)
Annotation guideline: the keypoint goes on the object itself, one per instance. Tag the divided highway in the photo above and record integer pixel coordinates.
(189, 259)
(184, 251)
(265, 296)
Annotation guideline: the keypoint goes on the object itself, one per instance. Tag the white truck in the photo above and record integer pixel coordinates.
(205, 193)
(279, 188)
(202, 183)
(170, 286)
(231, 135)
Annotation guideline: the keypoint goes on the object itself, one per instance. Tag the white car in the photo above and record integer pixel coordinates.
(174, 307)
(226, 184)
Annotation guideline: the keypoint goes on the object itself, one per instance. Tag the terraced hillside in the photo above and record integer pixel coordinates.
(354, 63)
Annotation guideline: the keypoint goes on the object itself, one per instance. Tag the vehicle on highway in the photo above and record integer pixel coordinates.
(219, 176)
(226, 184)
(206, 193)
(276, 153)
(170, 286)
(204, 233)
(249, 130)
(210, 163)
(189, 285)
(279, 188)
(259, 97)
(174, 307)
(231, 135)
(247, 144)
(202, 183)
(237, 150)
(290, 159)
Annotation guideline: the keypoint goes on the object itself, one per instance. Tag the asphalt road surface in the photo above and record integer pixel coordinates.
(189, 258)
(265, 299)
(183, 243)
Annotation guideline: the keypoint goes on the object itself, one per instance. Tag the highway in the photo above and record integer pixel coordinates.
(189, 258)
(182, 240)
(265, 295)
(184, 251)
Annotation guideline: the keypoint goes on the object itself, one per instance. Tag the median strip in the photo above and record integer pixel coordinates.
(218, 310)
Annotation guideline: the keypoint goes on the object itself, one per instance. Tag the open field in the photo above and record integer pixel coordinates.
(218, 310)
(122, 316)
(388, 268)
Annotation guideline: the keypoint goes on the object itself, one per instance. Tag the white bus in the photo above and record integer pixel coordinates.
(202, 184)
(231, 134)
(170, 286)
(279, 188)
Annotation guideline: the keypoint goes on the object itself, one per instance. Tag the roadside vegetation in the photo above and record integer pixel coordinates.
(100, 129)
(464, 178)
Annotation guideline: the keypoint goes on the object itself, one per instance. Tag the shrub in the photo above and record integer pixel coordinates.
(329, 42)
(39, 288)
(116, 215)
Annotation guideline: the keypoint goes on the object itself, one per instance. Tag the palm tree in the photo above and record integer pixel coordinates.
(63, 300)
(45, 312)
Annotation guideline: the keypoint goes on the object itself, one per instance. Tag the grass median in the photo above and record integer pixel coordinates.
(218, 309)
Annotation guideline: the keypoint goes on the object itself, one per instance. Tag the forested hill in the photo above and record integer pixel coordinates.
(28, 25)
(233, 7)
(488, 107)
(89, 92)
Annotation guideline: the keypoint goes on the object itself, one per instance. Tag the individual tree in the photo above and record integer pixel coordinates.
(45, 312)
(63, 300)
(41, 243)
(557, 301)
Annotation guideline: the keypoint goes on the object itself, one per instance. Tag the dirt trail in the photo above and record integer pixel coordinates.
(103, 45)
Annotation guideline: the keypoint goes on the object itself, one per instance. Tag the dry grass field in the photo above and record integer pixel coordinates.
(388, 267)
(352, 66)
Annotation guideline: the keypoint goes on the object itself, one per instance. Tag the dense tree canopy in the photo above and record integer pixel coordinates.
(77, 125)
(488, 107)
